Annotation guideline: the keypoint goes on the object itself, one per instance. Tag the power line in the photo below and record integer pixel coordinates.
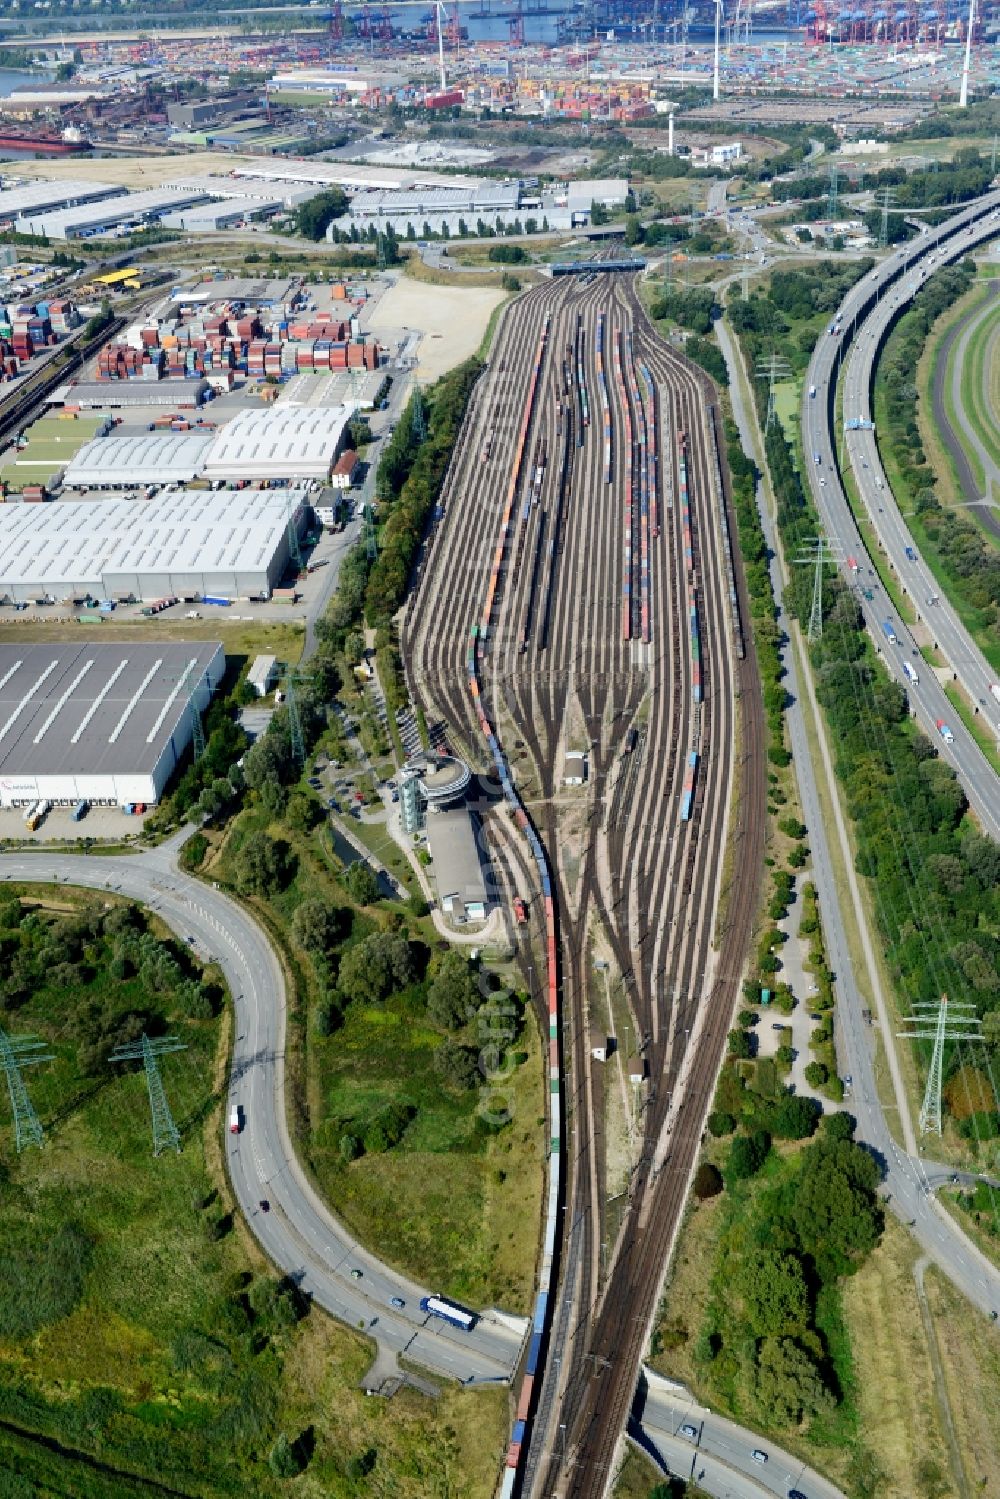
(773, 370)
(815, 553)
(24, 1052)
(165, 1131)
(940, 1023)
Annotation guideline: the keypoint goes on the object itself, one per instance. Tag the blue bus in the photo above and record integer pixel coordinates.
(450, 1311)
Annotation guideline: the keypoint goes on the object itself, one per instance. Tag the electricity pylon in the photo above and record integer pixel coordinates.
(24, 1052)
(418, 417)
(816, 553)
(883, 200)
(772, 370)
(940, 1023)
(295, 723)
(165, 1131)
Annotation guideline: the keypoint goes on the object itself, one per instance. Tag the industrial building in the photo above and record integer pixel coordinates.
(121, 212)
(42, 197)
(176, 395)
(145, 458)
(105, 723)
(454, 838)
(263, 674)
(437, 207)
(228, 544)
(283, 191)
(210, 218)
(286, 442)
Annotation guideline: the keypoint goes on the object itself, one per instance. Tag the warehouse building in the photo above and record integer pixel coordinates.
(286, 442)
(126, 462)
(105, 723)
(210, 218)
(176, 395)
(455, 838)
(230, 544)
(41, 197)
(123, 212)
(439, 208)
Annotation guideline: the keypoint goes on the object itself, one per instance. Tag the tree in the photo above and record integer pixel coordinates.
(817, 1074)
(457, 1065)
(262, 866)
(318, 925)
(707, 1181)
(773, 1288)
(788, 1383)
(633, 229)
(451, 998)
(303, 812)
(740, 1045)
(720, 1123)
(598, 214)
(794, 1118)
(836, 1214)
(746, 1156)
(362, 883)
(313, 216)
(372, 970)
(282, 1459)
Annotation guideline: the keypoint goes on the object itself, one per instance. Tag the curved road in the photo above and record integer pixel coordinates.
(299, 1234)
(879, 296)
(908, 1181)
(958, 446)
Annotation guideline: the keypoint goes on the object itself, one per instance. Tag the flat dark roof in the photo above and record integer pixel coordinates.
(88, 708)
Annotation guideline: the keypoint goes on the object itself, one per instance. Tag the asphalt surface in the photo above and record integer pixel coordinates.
(298, 1232)
(716, 1452)
(866, 311)
(909, 1181)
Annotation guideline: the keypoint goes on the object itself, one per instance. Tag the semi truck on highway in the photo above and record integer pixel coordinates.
(889, 632)
(945, 731)
(812, 392)
(234, 1120)
(449, 1311)
(995, 691)
(911, 673)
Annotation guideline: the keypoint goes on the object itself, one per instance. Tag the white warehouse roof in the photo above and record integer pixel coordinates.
(285, 442)
(106, 722)
(209, 216)
(59, 194)
(119, 462)
(227, 543)
(286, 191)
(69, 223)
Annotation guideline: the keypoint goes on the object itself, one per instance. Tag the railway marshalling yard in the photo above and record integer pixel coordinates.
(580, 628)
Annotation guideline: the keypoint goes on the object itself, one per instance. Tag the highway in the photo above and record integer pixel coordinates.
(909, 1181)
(298, 1233)
(694, 1443)
(864, 315)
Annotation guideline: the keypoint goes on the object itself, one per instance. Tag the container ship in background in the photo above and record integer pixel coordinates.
(45, 142)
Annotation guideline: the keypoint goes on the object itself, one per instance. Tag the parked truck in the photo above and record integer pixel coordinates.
(80, 810)
(889, 632)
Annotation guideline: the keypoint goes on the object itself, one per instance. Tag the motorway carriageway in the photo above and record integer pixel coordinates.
(299, 1234)
(928, 700)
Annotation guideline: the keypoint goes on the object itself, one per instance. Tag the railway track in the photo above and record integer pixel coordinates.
(599, 576)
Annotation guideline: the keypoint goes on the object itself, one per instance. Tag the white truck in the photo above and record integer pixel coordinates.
(911, 672)
(235, 1119)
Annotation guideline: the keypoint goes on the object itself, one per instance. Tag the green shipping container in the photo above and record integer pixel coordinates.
(765, 996)
(90, 619)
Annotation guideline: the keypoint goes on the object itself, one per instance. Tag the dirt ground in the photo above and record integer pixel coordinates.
(452, 320)
(137, 171)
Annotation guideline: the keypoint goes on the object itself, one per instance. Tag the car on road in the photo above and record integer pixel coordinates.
(758, 1456)
(689, 1431)
(910, 554)
(397, 1302)
(265, 1206)
(355, 1274)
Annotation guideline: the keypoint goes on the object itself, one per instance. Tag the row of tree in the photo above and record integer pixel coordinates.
(935, 881)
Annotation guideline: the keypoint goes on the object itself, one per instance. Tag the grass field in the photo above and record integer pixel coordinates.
(453, 1203)
(146, 1347)
(241, 642)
